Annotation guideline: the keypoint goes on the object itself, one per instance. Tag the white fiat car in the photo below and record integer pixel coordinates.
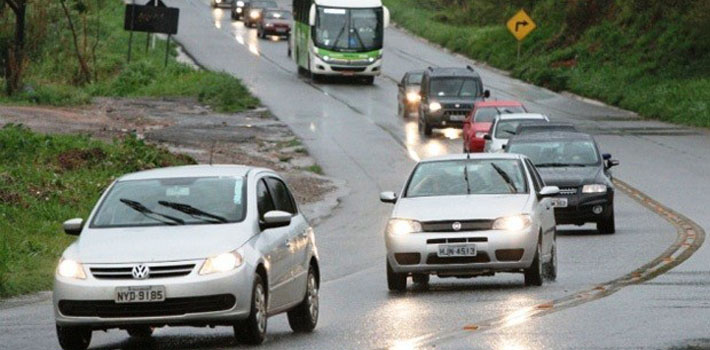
(505, 126)
(467, 216)
(188, 246)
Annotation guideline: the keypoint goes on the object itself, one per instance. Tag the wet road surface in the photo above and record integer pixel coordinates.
(354, 133)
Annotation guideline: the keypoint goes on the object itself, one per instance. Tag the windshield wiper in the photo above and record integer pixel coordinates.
(139, 207)
(465, 176)
(510, 132)
(192, 211)
(340, 33)
(506, 178)
(359, 38)
(558, 165)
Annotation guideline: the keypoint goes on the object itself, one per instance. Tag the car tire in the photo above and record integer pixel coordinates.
(396, 282)
(73, 338)
(421, 279)
(253, 330)
(533, 274)
(368, 80)
(607, 225)
(304, 318)
(551, 266)
(140, 332)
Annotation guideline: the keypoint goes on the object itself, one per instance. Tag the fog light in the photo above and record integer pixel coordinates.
(597, 209)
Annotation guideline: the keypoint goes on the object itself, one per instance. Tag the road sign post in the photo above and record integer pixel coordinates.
(153, 17)
(521, 25)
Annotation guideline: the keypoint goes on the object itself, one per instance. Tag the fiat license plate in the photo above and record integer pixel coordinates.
(456, 250)
(147, 294)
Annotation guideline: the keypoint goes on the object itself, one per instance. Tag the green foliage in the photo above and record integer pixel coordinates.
(650, 56)
(45, 180)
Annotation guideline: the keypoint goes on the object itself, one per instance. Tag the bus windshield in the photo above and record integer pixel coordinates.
(349, 30)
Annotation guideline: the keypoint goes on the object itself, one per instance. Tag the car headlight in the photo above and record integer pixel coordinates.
(513, 223)
(595, 188)
(71, 269)
(240, 3)
(218, 1)
(435, 106)
(480, 134)
(269, 25)
(254, 14)
(403, 227)
(222, 263)
(413, 97)
(239, 10)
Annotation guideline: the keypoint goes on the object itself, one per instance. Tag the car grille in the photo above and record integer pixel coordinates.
(455, 112)
(407, 258)
(433, 259)
(568, 191)
(348, 69)
(462, 106)
(169, 307)
(456, 240)
(156, 271)
(447, 226)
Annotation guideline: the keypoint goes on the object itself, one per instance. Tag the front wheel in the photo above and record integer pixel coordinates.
(368, 80)
(533, 274)
(253, 329)
(73, 338)
(551, 266)
(396, 282)
(140, 331)
(607, 225)
(304, 317)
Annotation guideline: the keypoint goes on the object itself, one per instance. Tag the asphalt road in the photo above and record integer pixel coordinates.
(354, 133)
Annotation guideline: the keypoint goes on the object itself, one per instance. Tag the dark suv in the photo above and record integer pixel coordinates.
(448, 95)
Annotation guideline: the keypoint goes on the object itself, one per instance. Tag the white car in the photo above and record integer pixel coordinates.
(188, 246)
(467, 216)
(505, 126)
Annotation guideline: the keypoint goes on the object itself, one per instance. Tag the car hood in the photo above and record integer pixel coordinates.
(470, 207)
(570, 176)
(159, 243)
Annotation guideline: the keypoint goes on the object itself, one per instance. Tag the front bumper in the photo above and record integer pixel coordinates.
(445, 119)
(319, 66)
(497, 251)
(580, 206)
(96, 296)
(276, 31)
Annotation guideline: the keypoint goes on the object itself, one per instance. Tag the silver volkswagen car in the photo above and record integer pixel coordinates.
(188, 246)
(467, 216)
(504, 127)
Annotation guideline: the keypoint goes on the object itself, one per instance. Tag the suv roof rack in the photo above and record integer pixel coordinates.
(469, 68)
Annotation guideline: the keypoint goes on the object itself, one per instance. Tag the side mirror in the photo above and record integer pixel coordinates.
(386, 16)
(612, 163)
(549, 191)
(73, 227)
(487, 137)
(487, 94)
(276, 218)
(388, 197)
(312, 16)
(606, 156)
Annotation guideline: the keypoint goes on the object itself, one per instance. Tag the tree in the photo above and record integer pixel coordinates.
(83, 67)
(16, 52)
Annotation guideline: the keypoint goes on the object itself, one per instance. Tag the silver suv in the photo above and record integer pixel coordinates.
(188, 246)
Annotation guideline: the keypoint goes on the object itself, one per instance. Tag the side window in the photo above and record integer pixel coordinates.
(537, 181)
(282, 197)
(263, 199)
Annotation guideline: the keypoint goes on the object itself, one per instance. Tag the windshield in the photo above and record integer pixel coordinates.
(506, 128)
(181, 201)
(349, 30)
(415, 79)
(488, 114)
(277, 15)
(558, 153)
(448, 87)
(448, 178)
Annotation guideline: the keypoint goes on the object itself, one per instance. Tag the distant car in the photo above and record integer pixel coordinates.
(448, 95)
(253, 11)
(572, 162)
(461, 217)
(274, 22)
(237, 9)
(478, 122)
(408, 93)
(222, 3)
(188, 246)
(544, 127)
(504, 126)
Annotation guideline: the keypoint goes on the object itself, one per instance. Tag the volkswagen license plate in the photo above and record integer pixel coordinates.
(457, 117)
(454, 250)
(148, 294)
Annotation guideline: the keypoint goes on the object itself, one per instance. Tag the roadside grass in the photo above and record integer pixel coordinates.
(316, 169)
(660, 71)
(52, 75)
(46, 179)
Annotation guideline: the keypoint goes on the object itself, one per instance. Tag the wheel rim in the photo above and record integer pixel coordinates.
(260, 308)
(312, 297)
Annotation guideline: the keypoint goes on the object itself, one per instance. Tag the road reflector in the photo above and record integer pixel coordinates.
(520, 25)
(471, 327)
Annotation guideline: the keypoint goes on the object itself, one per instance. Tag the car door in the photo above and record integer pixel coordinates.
(274, 242)
(545, 210)
(297, 243)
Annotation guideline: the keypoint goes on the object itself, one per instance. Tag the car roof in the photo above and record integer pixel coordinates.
(498, 103)
(350, 3)
(416, 71)
(435, 72)
(512, 116)
(190, 171)
(552, 135)
(473, 156)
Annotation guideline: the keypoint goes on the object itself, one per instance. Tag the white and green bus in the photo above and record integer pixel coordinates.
(338, 37)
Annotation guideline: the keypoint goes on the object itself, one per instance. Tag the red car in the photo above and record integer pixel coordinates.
(479, 121)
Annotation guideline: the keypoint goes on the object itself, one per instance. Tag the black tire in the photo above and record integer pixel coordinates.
(142, 332)
(424, 128)
(396, 282)
(304, 318)
(368, 80)
(253, 330)
(607, 225)
(533, 274)
(73, 338)
(551, 266)
(421, 279)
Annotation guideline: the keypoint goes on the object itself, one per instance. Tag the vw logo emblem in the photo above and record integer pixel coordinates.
(141, 272)
(456, 226)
